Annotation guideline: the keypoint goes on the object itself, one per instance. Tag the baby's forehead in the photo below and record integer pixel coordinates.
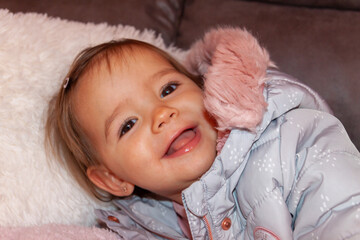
(117, 65)
(125, 57)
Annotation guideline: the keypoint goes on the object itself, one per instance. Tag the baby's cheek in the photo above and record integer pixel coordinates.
(196, 99)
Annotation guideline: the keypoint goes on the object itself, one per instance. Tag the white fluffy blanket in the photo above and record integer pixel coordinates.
(35, 53)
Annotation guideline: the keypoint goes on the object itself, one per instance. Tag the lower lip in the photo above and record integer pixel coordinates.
(187, 147)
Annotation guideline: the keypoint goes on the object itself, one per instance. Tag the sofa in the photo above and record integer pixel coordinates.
(315, 41)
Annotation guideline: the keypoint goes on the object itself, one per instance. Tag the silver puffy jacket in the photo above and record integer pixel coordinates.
(296, 177)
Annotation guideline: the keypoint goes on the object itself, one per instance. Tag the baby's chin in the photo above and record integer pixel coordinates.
(201, 167)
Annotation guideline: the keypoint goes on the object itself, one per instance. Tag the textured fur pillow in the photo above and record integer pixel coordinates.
(35, 53)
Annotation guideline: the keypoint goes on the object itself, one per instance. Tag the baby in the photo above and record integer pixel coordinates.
(233, 150)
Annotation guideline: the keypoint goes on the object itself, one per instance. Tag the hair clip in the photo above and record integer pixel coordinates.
(66, 82)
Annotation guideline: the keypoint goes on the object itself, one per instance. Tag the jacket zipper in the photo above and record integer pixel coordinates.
(207, 224)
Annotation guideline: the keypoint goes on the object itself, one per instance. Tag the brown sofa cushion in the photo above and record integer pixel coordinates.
(336, 4)
(163, 16)
(318, 46)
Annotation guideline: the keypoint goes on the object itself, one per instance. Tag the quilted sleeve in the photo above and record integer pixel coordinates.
(324, 199)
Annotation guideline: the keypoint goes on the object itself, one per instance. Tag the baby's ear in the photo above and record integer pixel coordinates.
(103, 178)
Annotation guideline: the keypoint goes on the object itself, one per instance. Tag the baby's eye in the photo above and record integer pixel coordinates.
(128, 124)
(168, 89)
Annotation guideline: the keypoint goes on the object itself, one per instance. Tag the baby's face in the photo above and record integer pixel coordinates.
(147, 122)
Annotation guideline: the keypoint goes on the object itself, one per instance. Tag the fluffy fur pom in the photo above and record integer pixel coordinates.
(234, 66)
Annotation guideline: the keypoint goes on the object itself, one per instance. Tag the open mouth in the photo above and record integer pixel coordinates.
(184, 142)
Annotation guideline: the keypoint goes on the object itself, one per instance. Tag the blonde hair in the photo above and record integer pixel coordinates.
(64, 136)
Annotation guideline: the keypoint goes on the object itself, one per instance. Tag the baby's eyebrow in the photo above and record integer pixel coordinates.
(162, 73)
(110, 119)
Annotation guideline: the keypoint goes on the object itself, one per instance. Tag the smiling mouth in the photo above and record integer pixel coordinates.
(183, 143)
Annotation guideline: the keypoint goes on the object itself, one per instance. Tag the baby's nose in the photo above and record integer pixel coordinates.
(162, 116)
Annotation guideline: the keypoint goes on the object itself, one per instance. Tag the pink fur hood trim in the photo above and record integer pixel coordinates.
(233, 65)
